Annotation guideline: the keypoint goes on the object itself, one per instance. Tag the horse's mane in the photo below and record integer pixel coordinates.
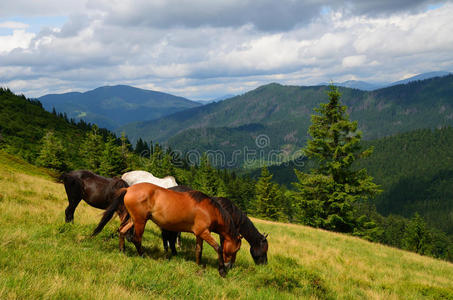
(199, 196)
(240, 219)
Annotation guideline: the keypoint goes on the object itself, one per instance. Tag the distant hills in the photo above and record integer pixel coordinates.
(366, 86)
(113, 106)
(357, 84)
(283, 113)
(221, 98)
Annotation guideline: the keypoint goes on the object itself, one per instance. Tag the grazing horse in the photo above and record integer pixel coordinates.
(169, 238)
(258, 242)
(94, 189)
(190, 211)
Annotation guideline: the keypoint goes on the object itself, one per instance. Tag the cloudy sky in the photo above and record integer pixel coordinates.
(203, 49)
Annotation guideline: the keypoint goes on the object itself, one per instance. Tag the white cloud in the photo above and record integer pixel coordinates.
(353, 61)
(18, 39)
(204, 49)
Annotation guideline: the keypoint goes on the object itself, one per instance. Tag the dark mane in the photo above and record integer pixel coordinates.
(241, 221)
(199, 196)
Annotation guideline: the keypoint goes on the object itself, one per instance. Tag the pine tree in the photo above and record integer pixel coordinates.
(267, 197)
(417, 237)
(155, 162)
(326, 196)
(113, 162)
(142, 148)
(91, 150)
(205, 179)
(52, 154)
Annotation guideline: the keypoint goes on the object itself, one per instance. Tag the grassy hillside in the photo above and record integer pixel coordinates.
(283, 114)
(41, 257)
(112, 106)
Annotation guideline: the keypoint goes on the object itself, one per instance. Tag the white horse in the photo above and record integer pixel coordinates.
(135, 177)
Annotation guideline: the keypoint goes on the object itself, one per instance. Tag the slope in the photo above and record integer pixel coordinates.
(112, 106)
(41, 257)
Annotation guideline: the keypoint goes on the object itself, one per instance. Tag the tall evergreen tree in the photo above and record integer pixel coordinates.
(267, 197)
(52, 154)
(326, 196)
(206, 179)
(113, 163)
(91, 150)
(417, 237)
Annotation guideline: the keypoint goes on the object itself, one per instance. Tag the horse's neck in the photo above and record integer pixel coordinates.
(249, 231)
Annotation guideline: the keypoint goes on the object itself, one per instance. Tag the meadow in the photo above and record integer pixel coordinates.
(42, 257)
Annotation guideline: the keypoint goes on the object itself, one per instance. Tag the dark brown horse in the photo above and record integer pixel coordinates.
(97, 191)
(177, 211)
(258, 242)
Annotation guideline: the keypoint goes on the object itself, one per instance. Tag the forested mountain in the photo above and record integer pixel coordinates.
(358, 84)
(283, 114)
(422, 76)
(414, 169)
(24, 122)
(113, 106)
(367, 86)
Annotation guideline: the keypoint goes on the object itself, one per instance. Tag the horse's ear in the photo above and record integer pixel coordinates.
(265, 235)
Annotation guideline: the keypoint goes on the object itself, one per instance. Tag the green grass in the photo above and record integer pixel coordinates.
(42, 257)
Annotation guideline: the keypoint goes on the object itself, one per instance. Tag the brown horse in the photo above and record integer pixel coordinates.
(190, 211)
(96, 190)
(258, 242)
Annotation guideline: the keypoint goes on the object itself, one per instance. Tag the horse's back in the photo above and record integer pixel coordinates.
(136, 177)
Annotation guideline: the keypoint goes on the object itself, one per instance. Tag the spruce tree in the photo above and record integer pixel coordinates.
(417, 237)
(267, 197)
(326, 196)
(113, 162)
(91, 150)
(52, 154)
(205, 179)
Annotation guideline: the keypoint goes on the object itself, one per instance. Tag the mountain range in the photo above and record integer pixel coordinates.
(367, 86)
(113, 106)
(282, 115)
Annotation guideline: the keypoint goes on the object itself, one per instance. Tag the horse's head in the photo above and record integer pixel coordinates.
(259, 251)
(230, 248)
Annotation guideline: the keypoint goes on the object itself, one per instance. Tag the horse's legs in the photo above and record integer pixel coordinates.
(74, 193)
(206, 235)
(164, 239)
(178, 240)
(124, 218)
(123, 230)
(139, 228)
(172, 242)
(199, 250)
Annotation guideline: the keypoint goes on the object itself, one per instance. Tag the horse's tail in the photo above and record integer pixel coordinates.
(118, 200)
